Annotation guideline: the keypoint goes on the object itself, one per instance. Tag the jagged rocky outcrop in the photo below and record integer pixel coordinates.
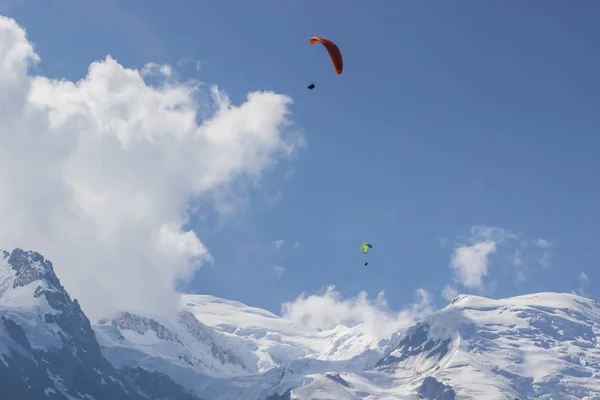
(287, 395)
(538, 347)
(432, 389)
(201, 333)
(182, 348)
(48, 348)
(141, 325)
(416, 341)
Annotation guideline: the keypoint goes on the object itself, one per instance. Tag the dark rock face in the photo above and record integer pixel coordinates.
(157, 385)
(199, 331)
(433, 389)
(287, 395)
(29, 267)
(415, 342)
(132, 322)
(77, 366)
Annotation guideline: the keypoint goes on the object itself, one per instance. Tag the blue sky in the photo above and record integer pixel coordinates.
(447, 116)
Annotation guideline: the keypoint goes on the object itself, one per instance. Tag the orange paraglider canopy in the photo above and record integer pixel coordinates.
(333, 50)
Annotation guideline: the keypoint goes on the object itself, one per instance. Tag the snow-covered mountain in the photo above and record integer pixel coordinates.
(48, 348)
(541, 346)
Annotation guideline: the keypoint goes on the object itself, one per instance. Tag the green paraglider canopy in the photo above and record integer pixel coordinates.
(365, 247)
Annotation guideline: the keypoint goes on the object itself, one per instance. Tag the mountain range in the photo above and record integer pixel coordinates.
(538, 346)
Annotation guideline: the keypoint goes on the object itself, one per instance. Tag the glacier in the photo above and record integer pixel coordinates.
(538, 346)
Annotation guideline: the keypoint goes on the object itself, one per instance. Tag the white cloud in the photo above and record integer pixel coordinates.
(279, 270)
(296, 245)
(449, 293)
(471, 259)
(327, 310)
(583, 281)
(521, 267)
(98, 174)
(470, 262)
(479, 233)
(517, 258)
(188, 60)
(151, 69)
(278, 244)
(543, 243)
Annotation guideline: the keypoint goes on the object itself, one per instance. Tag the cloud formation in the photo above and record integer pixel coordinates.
(98, 174)
(329, 309)
(544, 258)
(188, 60)
(470, 262)
(471, 259)
(583, 283)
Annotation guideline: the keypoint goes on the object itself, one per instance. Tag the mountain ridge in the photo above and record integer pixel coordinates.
(537, 346)
(48, 347)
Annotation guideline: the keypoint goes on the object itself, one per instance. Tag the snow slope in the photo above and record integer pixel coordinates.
(21, 287)
(534, 346)
(540, 346)
(275, 340)
(48, 349)
(225, 349)
(183, 348)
